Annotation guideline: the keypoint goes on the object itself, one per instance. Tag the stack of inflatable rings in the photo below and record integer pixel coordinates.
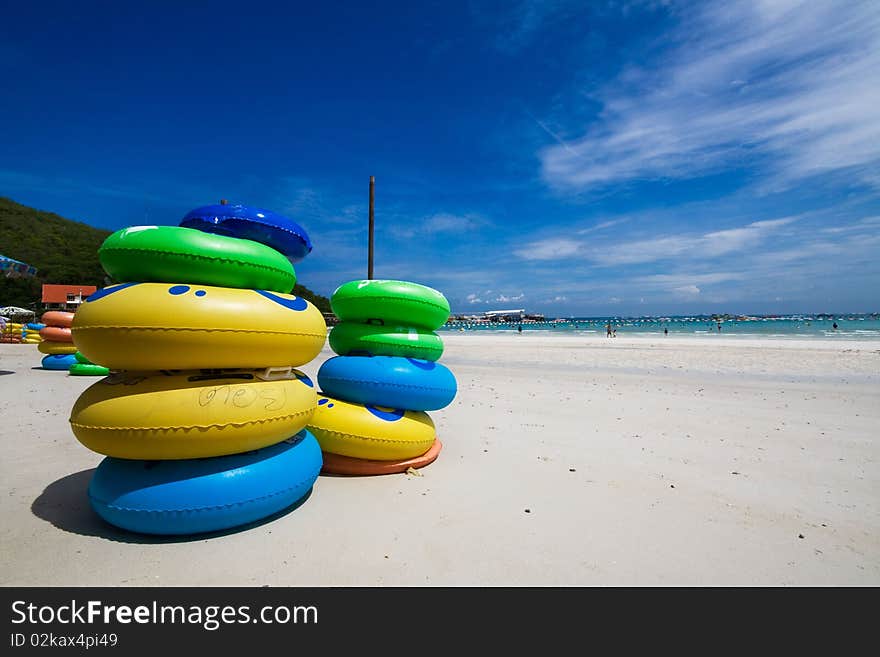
(31, 332)
(12, 332)
(57, 340)
(203, 419)
(371, 416)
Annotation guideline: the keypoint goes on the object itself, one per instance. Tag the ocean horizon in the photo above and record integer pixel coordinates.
(853, 326)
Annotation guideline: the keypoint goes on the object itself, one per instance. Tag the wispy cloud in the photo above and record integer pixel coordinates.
(311, 203)
(789, 87)
(446, 223)
(550, 249)
(662, 247)
(441, 222)
(521, 21)
(602, 226)
(865, 224)
(687, 290)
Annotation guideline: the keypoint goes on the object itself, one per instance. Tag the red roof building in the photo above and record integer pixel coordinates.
(65, 297)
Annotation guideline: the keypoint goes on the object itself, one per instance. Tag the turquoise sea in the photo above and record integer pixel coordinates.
(849, 327)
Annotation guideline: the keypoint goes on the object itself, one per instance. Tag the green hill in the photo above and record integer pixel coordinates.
(63, 251)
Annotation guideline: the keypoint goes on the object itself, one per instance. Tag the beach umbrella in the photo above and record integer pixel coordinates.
(14, 313)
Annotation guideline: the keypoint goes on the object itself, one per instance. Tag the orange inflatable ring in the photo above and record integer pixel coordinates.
(347, 465)
(57, 318)
(56, 334)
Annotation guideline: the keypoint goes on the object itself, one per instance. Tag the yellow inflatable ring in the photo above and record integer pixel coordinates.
(56, 348)
(183, 415)
(371, 432)
(154, 326)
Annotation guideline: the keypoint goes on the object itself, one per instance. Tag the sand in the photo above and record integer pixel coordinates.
(567, 461)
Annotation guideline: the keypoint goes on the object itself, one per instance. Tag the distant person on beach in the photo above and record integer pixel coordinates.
(614, 333)
(719, 327)
(834, 326)
(665, 331)
(608, 330)
(519, 328)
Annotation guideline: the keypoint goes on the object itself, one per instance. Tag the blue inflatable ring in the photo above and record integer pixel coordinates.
(390, 381)
(58, 361)
(192, 496)
(264, 226)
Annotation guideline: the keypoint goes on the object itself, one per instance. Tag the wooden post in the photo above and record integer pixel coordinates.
(370, 247)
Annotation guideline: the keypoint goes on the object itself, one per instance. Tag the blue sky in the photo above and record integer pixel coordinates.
(571, 158)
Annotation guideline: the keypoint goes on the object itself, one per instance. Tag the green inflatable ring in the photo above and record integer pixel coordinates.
(82, 359)
(88, 369)
(351, 339)
(393, 302)
(171, 254)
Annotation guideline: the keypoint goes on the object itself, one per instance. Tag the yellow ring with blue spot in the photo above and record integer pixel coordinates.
(371, 432)
(195, 414)
(154, 326)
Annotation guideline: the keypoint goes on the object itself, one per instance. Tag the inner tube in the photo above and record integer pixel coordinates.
(203, 495)
(54, 348)
(81, 359)
(169, 254)
(58, 362)
(350, 339)
(346, 465)
(168, 415)
(264, 226)
(392, 302)
(35, 326)
(371, 432)
(418, 385)
(155, 326)
(57, 318)
(56, 334)
(88, 369)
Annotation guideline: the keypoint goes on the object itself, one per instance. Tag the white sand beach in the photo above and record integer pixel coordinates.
(567, 461)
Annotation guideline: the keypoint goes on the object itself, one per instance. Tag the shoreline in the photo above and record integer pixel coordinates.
(700, 335)
(729, 340)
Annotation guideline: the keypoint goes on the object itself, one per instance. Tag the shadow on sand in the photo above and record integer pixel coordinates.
(65, 504)
(4, 372)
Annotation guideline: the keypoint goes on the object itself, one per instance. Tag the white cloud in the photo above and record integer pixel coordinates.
(504, 298)
(794, 86)
(550, 249)
(602, 226)
(685, 280)
(444, 222)
(868, 223)
(441, 222)
(687, 290)
(705, 246)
